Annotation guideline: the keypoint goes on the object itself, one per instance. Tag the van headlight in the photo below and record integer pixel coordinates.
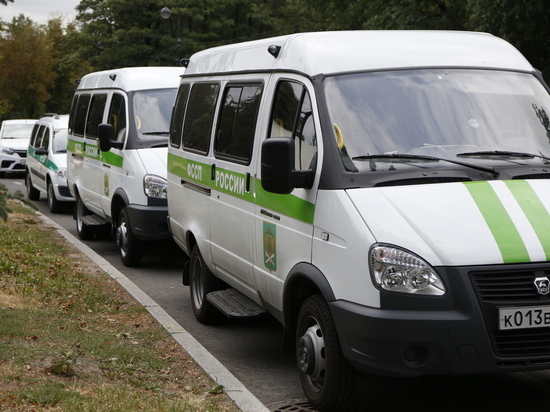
(61, 173)
(397, 270)
(155, 186)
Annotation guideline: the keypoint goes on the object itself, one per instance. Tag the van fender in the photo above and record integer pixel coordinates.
(119, 200)
(303, 280)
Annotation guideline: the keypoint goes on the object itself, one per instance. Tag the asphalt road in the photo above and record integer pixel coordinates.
(251, 349)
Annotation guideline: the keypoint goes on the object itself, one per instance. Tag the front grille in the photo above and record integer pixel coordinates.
(64, 191)
(523, 342)
(21, 153)
(509, 288)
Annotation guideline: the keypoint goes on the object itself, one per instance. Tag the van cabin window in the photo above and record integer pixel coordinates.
(95, 116)
(235, 135)
(292, 117)
(40, 137)
(199, 117)
(80, 112)
(117, 116)
(179, 112)
(46, 140)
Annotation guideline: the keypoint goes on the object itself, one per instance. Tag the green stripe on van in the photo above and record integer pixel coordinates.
(502, 227)
(232, 183)
(92, 151)
(534, 210)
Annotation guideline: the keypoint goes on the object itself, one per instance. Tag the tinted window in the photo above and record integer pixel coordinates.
(33, 136)
(117, 116)
(95, 117)
(80, 112)
(235, 134)
(199, 117)
(292, 116)
(178, 114)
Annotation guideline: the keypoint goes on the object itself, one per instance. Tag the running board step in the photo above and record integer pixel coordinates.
(234, 304)
(93, 220)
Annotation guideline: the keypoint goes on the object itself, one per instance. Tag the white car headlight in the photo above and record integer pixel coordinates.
(8, 150)
(155, 186)
(397, 270)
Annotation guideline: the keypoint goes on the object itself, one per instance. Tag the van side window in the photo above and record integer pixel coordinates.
(117, 116)
(179, 113)
(80, 113)
(292, 116)
(46, 140)
(33, 135)
(40, 137)
(235, 135)
(95, 116)
(199, 117)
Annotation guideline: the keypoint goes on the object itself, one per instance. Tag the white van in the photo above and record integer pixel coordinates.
(116, 159)
(46, 169)
(385, 195)
(14, 140)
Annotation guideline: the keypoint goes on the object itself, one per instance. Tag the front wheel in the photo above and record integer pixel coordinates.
(327, 378)
(54, 205)
(201, 283)
(129, 246)
(32, 192)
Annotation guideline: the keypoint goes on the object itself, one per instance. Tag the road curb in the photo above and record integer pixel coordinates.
(234, 388)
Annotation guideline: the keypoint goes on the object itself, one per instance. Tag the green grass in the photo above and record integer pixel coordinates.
(71, 339)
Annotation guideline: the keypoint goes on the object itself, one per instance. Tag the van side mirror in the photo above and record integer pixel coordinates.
(105, 135)
(278, 173)
(41, 151)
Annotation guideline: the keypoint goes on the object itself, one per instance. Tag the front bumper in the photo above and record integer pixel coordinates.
(455, 334)
(149, 222)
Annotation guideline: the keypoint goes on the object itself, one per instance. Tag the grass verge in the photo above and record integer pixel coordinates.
(72, 339)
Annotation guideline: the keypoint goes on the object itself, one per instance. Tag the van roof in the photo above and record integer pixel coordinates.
(58, 121)
(133, 78)
(345, 51)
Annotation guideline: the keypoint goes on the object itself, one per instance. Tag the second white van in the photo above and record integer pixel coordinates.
(117, 147)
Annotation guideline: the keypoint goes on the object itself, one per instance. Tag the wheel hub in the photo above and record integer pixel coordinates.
(122, 238)
(311, 354)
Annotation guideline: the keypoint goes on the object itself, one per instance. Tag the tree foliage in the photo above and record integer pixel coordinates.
(38, 64)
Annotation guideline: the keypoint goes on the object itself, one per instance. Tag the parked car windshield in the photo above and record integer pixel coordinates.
(152, 110)
(17, 131)
(479, 116)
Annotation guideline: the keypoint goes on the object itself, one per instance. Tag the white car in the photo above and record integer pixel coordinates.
(46, 170)
(14, 140)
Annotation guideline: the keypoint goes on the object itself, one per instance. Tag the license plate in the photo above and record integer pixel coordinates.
(523, 318)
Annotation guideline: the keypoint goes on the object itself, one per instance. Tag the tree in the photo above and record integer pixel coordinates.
(5, 2)
(27, 69)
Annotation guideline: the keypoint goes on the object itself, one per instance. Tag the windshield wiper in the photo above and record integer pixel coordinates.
(503, 154)
(162, 133)
(404, 156)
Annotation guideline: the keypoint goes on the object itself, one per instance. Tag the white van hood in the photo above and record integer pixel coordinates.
(17, 144)
(154, 160)
(471, 223)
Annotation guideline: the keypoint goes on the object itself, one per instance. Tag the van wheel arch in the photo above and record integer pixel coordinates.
(304, 280)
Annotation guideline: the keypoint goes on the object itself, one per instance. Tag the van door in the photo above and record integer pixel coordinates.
(284, 223)
(232, 200)
(111, 162)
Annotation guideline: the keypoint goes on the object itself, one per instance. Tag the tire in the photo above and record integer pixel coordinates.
(129, 246)
(54, 205)
(84, 231)
(32, 193)
(328, 380)
(201, 283)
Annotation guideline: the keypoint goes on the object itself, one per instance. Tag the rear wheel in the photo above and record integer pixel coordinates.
(32, 193)
(129, 246)
(55, 205)
(201, 283)
(85, 232)
(327, 378)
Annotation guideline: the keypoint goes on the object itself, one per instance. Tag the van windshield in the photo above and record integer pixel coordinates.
(60, 141)
(475, 116)
(152, 111)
